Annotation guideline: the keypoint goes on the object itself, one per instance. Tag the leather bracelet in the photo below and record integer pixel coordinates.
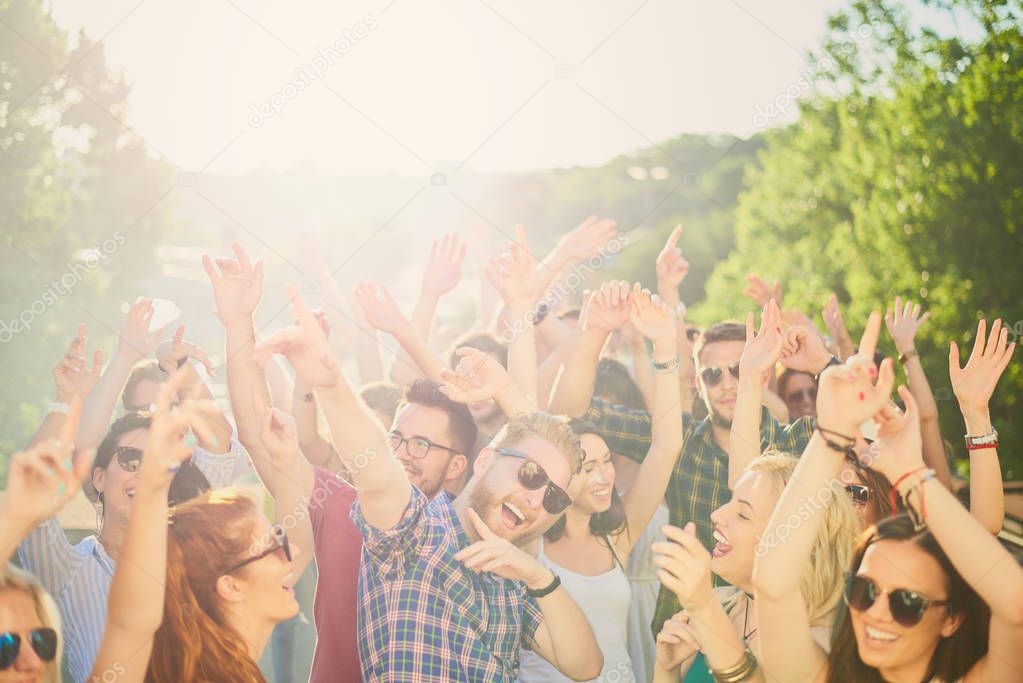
(904, 358)
(546, 590)
(834, 361)
(668, 365)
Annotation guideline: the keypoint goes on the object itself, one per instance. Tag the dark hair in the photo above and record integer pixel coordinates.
(880, 489)
(569, 314)
(485, 342)
(614, 384)
(729, 330)
(610, 522)
(143, 371)
(188, 483)
(461, 426)
(383, 397)
(786, 376)
(954, 655)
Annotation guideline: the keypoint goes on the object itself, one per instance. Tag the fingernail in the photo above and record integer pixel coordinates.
(873, 371)
(861, 395)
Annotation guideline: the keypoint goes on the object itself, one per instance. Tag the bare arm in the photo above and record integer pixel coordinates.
(314, 447)
(383, 314)
(836, 328)
(671, 269)
(282, 390)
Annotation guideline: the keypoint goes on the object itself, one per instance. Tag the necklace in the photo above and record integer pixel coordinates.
(745, 620)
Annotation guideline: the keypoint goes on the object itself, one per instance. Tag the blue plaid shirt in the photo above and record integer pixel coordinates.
(423, 616)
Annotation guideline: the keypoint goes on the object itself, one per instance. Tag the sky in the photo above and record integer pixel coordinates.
(415, 88)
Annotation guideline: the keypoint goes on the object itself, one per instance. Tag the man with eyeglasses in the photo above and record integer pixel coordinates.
(445, 592)
(699, 483)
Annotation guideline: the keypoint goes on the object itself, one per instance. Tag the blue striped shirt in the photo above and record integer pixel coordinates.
(78, 576)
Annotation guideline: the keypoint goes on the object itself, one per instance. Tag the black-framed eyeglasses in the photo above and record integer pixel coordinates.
(280, 542)
(692, 333)
(416, 446)
(712, 376)
(129, 458)
(42, 640)
(858, 493)
(907, 607)
(802, 395)
(533, 477)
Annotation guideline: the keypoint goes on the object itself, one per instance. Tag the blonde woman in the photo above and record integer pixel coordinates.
(722, 623)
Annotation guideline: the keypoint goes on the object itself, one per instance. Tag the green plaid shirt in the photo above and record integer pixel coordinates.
(699, 482)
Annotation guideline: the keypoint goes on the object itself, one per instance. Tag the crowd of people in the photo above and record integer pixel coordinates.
(553, 493)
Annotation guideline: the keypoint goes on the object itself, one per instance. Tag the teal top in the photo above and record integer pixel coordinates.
(698, 672)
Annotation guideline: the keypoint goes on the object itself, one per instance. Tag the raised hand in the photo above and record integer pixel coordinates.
(762, 349)
(166, 447)
(73, 377)
(237, 284)
(444, 268)
(280, 436)
(676, 642)
(304, 345)
(477, 377)
(513, 273)
(587, 239)
(42, 479)
(847, 394)
(835, 325)
(903, 322)
(684, 567)
(899, 446)
(135, 341)
(379, 307)
(498, 556)
(974, 384)
(804, 350)
(653, 318)
(671, 267)
(171, 354)
(606, 309)
(761, 292)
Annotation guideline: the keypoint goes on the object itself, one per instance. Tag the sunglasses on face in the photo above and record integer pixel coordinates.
(533, 477)
(712, 376)
(906, 607)
(280, 542)
(43, 641)
(416, 446)
(803, 395)
(858, 494)
(129, 458)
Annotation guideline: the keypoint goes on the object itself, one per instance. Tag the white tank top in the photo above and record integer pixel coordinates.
(604, 599)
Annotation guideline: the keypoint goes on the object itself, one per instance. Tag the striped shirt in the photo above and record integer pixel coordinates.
(699, 482)
(423, 616)
(78, 576)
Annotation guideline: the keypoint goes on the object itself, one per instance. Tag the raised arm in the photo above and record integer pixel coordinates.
(74, 379)
(973, 386)
(603, 311)
(846, 396)
(656, 321)
(761, 292)
(41, 480)
(671, 269)
(134, 342)
(903, 323)
(480, 377)
(978, 557)
(758, 358)
(362, 444)
(136, 601)
(383, 314)
(593, 237)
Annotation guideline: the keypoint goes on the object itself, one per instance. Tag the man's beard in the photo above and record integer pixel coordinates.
(717, 418)
(482, 500)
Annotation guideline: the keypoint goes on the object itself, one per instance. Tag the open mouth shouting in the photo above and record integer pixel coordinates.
(721, 546)
(511, 516)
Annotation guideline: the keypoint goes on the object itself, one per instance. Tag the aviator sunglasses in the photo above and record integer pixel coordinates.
(533, 477)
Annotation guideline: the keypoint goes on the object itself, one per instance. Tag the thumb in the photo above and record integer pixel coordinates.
(481, 527)
(690, 528)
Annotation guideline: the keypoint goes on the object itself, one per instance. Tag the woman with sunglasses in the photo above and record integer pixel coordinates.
(913, 612)
(227, 576)
(589, 546)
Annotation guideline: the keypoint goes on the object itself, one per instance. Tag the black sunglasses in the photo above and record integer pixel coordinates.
(712, 376)
(416, 446)
(129, 458)
(907, 607)
(859, 494)
(43, 641)
(280, 542)
(533, 477)
(802, 395)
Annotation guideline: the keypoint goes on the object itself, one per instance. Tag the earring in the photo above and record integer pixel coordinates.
(99, 512)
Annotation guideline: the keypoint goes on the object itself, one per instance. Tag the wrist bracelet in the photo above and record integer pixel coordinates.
(922, 475)
(847, 450)
(58, 407)
(834, 361)
(740, 672)
(546, 590)
(667, 366)
(989, 440)
(908, 355)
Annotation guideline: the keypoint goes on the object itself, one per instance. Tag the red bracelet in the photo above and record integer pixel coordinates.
(977, 447)
(893, 495)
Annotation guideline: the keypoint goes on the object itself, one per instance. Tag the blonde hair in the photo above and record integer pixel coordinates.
(823, 578)
(14, 579)
(554, 429)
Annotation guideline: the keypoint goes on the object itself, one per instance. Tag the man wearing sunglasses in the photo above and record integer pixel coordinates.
(429, 606)
(699, 482)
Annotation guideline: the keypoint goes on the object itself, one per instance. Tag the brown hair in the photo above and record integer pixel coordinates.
(195, 642)
(461, 427)
(383, 397)
(729, 330)
(143, 371)
(614, 384)
(955, 655)
(552, 428)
